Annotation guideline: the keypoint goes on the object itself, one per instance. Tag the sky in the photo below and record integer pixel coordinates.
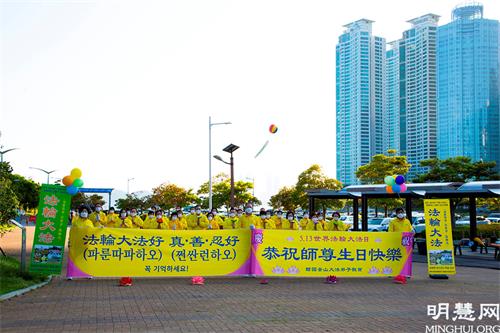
(124, 89)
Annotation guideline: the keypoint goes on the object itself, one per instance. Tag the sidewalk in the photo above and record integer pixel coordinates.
(244, 305)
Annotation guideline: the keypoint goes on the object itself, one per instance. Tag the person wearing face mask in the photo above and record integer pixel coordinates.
(290, 223)
(182, 220)
(158, 222)
(197, 221)
(82, 220)
(314, 224)
(304, 221)
(266, 222)
(98, 217)
(248, 220)
(123, 221)
(400, 223)
(278, 219)
(176, 223)
(212, 223)
(217, 219)
(111, 218)
(321, 219)
(150, 220)
(335, 224)
(239, 212)
(232, 221)
(136, 220)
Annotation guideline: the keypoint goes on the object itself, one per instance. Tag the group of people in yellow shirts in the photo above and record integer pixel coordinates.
(236, 219)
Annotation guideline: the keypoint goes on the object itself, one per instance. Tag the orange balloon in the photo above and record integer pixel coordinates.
(388, 188)
(68, 180)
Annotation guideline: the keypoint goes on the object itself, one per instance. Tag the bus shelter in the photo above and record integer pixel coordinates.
(361, 193)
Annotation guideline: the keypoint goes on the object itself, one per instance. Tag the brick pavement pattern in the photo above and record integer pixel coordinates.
(244, 305)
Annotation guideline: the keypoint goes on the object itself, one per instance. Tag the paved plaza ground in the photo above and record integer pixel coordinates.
(244, 305)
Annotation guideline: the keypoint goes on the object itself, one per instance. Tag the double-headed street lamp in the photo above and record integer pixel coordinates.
(210, 124)
(229, 149)
(47, 172)
(5, 152)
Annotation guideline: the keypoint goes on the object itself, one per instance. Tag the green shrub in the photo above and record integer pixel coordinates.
(11, 277)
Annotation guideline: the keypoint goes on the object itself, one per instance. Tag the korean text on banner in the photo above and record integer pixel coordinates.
(144, 252)
(312, 253)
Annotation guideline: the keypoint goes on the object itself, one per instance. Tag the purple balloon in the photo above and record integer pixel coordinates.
(396, 188)
(400, 180)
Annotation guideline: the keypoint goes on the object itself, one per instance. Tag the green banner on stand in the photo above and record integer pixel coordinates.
(50, 232)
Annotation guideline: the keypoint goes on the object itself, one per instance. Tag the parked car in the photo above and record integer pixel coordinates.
(466, 221)
(375, 224)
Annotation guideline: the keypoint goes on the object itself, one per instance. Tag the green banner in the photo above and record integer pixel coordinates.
(50, 232)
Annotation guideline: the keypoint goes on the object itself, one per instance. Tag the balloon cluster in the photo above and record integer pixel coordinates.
(73, 181)
(395, 184)
(273, 128)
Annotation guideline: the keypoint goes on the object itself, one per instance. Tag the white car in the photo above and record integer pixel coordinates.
(375, 224)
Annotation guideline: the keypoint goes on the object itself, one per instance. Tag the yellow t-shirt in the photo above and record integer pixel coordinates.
(312, 226)
(231, 223)
(267, 224)
(333, 225)
(397, 225)
(290, 225)
(247, 220)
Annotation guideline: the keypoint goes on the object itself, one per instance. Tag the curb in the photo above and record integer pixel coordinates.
(25, 290)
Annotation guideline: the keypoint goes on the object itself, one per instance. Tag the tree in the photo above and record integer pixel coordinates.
(80, 199)
(133, 201)
(26, 190)
(221, 192)
(457, 169)
(380, 167)
(313, 178)
(286, 198)
(8, 201)
(170, 195)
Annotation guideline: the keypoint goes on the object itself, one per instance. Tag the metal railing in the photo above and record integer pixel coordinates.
(23, 243)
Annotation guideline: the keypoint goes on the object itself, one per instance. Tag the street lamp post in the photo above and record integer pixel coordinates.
(230, 149)
(47, 172)
(210, 124)
(128, 184)
(5, 152)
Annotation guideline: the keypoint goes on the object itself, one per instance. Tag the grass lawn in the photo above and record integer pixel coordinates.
(12, 279)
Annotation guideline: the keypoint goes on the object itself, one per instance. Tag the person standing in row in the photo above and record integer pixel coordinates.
(314, 224)
(123, 221)
(197, 221)
(82, 220)
(176, 223)
(335, 224)
(157, 222)
(232, 221)
(266, 222)
(278, 219)
(98, 217)
(248, 220)
(400, 223)
(212, 222)
(136, 220)
(290, 223)
(304, 221)
(112, 218)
